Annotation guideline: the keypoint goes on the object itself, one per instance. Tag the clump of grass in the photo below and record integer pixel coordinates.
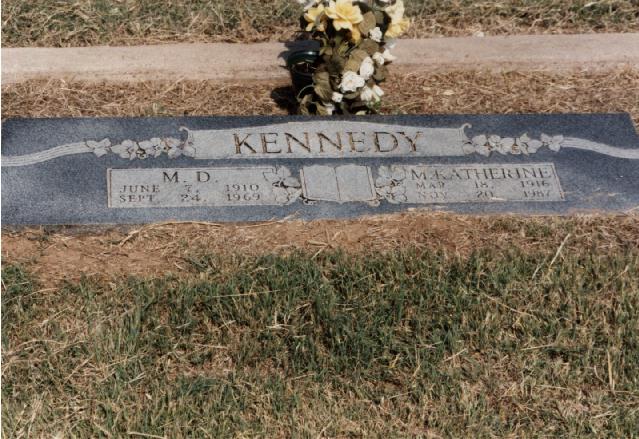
(93, 22)
(400, 344)
(419, 93)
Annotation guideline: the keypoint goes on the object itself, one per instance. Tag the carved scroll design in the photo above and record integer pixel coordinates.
(286, 187)
(458, 143)
(127, 149)
(487, 144)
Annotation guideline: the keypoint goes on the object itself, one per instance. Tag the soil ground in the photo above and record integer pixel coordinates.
(58, 255)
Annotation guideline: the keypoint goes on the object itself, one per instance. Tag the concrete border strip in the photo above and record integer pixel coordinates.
(265, 61)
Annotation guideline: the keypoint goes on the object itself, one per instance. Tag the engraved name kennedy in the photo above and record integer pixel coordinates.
(321, 142)
(322, 139)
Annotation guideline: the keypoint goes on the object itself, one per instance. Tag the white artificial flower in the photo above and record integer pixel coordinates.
(388, 56)
(330, 108)
(378, 91)
(367, 94)
(376, 34)
(372, 94)
(396, 11)
(379, 59)
(351, 81)
(367, 68)
(337, 97)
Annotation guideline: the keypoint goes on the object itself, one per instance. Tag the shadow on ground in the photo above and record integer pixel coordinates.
(285, 99)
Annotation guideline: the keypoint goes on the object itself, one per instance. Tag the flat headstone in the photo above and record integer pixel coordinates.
(141, 170)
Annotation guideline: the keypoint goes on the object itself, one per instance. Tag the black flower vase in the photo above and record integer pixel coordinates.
(301, 64)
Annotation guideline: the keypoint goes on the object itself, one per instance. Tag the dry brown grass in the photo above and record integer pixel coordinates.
(156, 249)
(54, 256)
(532, 341)
(127, 22)
(436, 93)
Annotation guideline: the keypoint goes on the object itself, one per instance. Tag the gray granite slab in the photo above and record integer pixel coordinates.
(141, 170)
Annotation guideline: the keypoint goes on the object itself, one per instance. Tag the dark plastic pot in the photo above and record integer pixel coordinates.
(302, 64)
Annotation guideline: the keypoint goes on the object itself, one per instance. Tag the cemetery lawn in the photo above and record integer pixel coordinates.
(92, 22)
(461, 92)
(440, 326)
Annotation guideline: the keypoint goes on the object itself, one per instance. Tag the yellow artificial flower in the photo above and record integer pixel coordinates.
(399, 24)
(311, 16)
(398, 28)
(356, 35)
(344, 14)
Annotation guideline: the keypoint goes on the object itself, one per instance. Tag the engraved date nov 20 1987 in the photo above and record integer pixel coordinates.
(482, 183)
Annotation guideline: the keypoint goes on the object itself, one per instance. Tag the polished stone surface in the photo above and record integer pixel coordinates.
(141, 170)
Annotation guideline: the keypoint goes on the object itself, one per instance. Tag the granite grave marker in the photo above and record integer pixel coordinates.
(140, 170)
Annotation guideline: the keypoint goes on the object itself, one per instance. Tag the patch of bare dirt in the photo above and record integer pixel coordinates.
(171, 248)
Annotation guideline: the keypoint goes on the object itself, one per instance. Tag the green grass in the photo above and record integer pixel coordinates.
(398, 345)
(92, 22)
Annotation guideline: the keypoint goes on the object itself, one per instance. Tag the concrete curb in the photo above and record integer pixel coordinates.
(265, 61)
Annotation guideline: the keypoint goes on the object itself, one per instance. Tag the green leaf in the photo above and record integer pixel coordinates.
(359, 106)
(335, 65)
(383, 20)
(358, 55)
(369, 46)
(306, 104)
(380, 73)
(368, 24)
(322, 86)
(355, 60)
(363, 6)
(351, 66)
(343, 48)
(321, 110)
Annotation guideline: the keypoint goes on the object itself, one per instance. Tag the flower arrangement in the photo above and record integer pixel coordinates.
(355, 41)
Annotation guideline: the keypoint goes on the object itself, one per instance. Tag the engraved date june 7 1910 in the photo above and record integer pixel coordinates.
(189, 187)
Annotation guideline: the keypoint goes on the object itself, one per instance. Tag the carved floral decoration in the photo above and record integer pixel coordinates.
(155, 147)
(485, 145)
(173, 148)
(287, 188)
(389, 185)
